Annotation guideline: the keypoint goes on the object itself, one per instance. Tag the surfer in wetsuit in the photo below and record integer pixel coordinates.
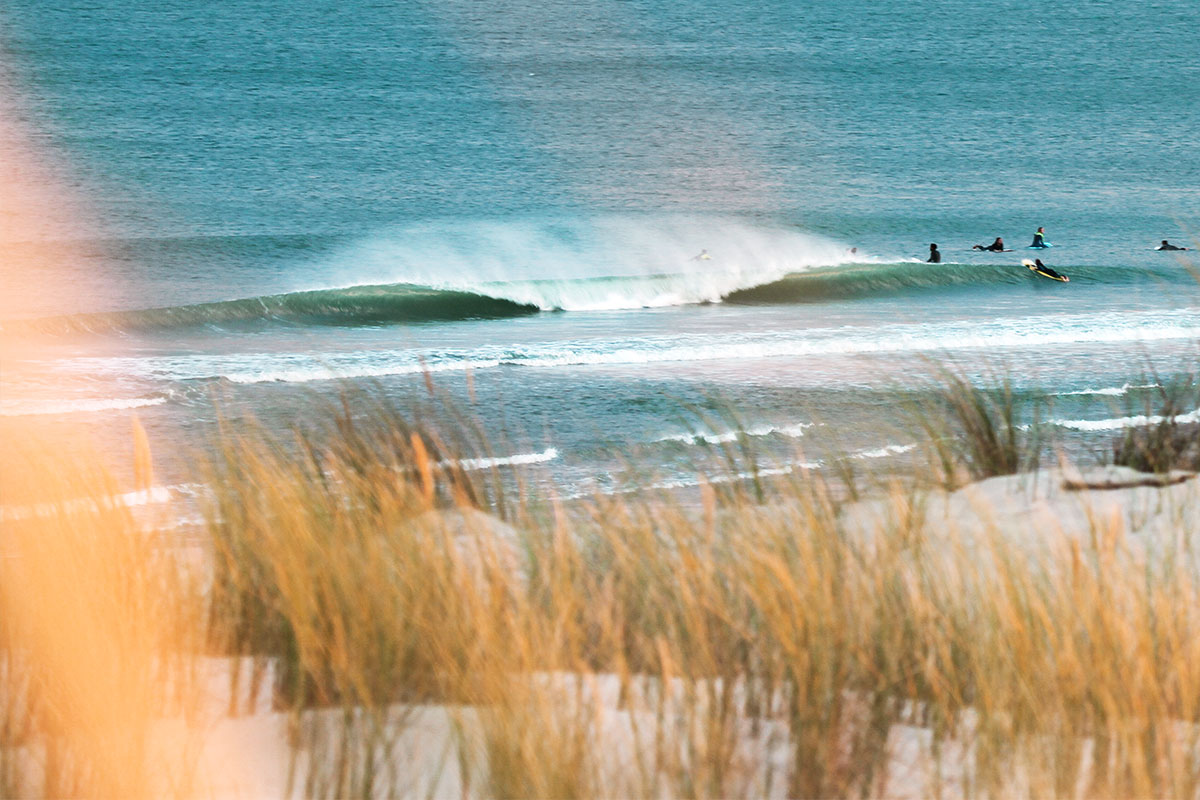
(935, 255)
(702, 256)
(1039, 238)
(1037, 262)
(1168, 246)
(995, 247)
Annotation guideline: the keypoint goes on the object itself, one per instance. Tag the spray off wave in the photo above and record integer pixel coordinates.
(435, 272)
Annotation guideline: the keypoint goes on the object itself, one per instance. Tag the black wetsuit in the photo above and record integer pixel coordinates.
(1043, 268)
(935, 256)
(1169, 247)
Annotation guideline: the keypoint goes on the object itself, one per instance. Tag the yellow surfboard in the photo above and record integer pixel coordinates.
(1045, 272)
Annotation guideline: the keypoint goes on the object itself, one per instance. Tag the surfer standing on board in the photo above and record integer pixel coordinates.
(995, 247)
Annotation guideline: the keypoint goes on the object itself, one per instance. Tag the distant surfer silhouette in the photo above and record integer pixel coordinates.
(1168, 246)
(935, 255)
(701, 256)
(1039, 238)
(995, 247)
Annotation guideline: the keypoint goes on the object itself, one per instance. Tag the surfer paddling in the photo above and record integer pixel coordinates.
(995, 247)
(1038, 268)
(1168, 246)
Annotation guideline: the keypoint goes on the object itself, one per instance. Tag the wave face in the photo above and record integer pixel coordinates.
(859, 280)
(357, 305)
(407, 303)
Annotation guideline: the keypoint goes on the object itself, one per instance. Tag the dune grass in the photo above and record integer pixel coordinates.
(1171, 438)
(757, 641)
(975, 431)
(763, 640)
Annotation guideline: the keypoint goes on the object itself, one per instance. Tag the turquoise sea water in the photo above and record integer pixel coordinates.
(520, 191)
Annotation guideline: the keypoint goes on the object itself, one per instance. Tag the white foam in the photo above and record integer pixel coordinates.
(885, 451)
(792, 431)
(322, 372)
(142, 497)
(1109, 391)
(1118, 423)
(1037, 331)
(699, 479)
(549, 454)
(31, 407)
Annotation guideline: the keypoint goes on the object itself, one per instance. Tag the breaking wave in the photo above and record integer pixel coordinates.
(408, 303)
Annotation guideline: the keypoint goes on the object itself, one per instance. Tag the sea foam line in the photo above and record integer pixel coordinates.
(141, 497)
(1109, 391)
(549, 454)
(1118, 423)
(31, 407)
(885, 451)
(792, 431)
(1024, 332)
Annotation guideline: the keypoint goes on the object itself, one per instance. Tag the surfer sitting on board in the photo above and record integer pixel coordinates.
(935, 255)
(1039, 238)
(995, 247)
(1168, 246)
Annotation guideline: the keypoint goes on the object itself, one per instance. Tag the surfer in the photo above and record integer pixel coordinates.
(701, 256)
(1168, 246)
(1039, 238)
(935, 255)
(1042, 268)
(995, 247)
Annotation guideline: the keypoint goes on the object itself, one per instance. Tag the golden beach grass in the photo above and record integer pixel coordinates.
(630, 645)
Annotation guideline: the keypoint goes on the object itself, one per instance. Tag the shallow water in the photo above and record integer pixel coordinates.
(515, 199)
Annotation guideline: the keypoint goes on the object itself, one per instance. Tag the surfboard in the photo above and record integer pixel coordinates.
(1042, 246)
(1045, 272)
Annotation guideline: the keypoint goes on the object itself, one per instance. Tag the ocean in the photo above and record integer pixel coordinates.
(613, 233)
